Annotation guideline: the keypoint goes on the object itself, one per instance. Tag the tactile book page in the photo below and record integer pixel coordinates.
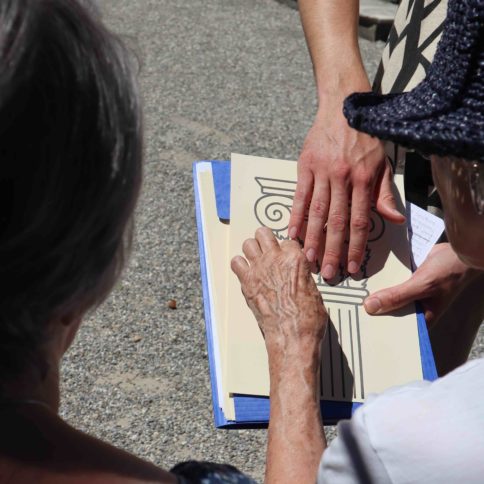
(362, 354)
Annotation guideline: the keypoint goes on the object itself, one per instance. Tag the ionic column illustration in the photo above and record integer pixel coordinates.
(343, 359)
(273, 209)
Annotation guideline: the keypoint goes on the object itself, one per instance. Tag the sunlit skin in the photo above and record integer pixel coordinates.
(277, 285)
(449, 267)
(434, 284)
(338, 165)
(464, 226)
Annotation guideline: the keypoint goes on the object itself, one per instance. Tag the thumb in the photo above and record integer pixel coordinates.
(385, 200)
(395, 297)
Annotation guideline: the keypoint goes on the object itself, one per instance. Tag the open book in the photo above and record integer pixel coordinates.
(361, 354)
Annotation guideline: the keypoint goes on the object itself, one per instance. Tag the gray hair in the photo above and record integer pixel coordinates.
(70, 166)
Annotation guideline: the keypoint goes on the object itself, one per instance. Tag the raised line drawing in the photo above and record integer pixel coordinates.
(352, 352)
(330, 339)
(341, 354)
(345, 296)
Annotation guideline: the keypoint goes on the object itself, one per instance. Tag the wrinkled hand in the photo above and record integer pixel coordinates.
(339, 166)
(280, 291)
(435, 284)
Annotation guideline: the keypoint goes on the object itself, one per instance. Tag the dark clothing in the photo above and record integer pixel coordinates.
(209, 473)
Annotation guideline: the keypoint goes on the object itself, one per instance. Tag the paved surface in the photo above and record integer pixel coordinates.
(376, 9)
(379, 10)
(216, 76)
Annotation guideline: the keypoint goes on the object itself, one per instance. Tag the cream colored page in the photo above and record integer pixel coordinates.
(216, 235)
(361, 354)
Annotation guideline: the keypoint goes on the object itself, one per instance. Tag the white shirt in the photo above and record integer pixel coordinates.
(429, 432)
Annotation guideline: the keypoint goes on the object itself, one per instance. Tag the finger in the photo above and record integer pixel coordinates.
(239, 266)
(359, 225)
(335, 230)
(396, 297)
(302, 196)
(385, 200)
(288, 245)
(251, 250)
(316, 265)
(266, 239)
(318, 214)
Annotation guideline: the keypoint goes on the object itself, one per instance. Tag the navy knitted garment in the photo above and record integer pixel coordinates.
(444, 114)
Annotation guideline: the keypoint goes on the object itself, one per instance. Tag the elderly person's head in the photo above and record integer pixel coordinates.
(443, 117)
(70, 171)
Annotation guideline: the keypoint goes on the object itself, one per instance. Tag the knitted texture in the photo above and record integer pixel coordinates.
(444, 114)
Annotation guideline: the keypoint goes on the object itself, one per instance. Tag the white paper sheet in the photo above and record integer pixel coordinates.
(424, 230)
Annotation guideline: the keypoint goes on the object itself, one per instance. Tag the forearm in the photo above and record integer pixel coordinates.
(331, 30)
(296, 436)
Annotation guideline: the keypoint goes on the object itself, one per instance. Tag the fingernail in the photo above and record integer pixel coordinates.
(311, 255)
(353, 267)
(292, 232)
(328, 271)
(372, 305)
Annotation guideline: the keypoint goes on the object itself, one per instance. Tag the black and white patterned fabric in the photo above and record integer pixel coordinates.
(410, 49)
(411, 45)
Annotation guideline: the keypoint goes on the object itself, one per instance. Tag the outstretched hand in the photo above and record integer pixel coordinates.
(435, 284)
(339, 167)
(280, 291)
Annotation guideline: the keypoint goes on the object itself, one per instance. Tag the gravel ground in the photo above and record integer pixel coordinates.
(216, 76)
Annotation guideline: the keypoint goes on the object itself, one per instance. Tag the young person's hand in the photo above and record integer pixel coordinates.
(279, 289)
(338, 168)
(435, 284)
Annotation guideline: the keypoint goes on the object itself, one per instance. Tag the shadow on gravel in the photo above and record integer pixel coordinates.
(289, 3)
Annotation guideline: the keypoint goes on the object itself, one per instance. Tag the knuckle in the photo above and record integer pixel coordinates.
(356, 253)
(262, 231)
(363, 178)
(312, 239)
(395, 297)
(337, 222)
(302, 260)
(291, 244)
(332, 255)
(246, 244)
(299, 257)
(360, 223)
(388, 197)
(318, 208)
(340, 171)
(285, 244)
(297, 218)
(300, 195)
(309, 158)
(305, 159)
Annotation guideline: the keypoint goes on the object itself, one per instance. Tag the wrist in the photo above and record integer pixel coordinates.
(305, 352)
(296, 376)
(340, 83)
